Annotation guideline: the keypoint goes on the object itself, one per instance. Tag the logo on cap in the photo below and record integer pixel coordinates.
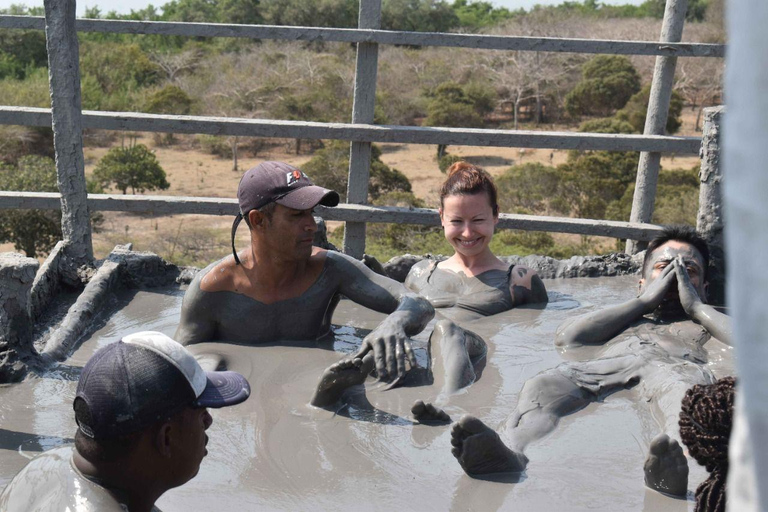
(294, 176)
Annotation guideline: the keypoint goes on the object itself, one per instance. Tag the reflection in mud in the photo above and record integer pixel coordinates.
(275, 452)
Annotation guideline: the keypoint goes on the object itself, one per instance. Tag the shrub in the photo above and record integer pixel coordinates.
(135, 167)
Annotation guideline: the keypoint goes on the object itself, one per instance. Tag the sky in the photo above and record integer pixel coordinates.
(125, 6)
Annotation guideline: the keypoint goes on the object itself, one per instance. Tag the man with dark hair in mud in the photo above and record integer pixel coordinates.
(653, 342)
(283, 288)
(141, 411)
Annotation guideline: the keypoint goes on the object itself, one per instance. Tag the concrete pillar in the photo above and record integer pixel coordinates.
(362, 112)
(709, 222)
(656, 119)
(64, 77)
(745, 153)
(16, 275)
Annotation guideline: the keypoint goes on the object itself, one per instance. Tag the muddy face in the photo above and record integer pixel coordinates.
(468, 222)
(664, 255)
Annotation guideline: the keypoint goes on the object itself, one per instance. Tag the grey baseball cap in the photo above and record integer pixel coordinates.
(278, 182)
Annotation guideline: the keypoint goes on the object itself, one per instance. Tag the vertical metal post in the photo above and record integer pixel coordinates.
(362, 112)
(745, 153)
(656, 119)
(709, 222)
(66, 110)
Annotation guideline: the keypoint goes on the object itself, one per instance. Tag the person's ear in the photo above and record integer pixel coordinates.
(440, 212)
(640, 285)
(495, 218)
(705, 292)
(255, 218)
(164, 439)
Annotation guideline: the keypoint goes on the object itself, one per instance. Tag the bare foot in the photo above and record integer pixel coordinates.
(339, 377)
(480, 450)
(666, 469)
(429, 414)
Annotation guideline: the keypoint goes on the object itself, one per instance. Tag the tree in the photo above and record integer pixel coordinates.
(527, 188)
(636, 109)
(608, 82)
(453, 105)
(591, 180)
(33, 231)
(418, 16)
(326, 13)
(168, 100)
(329, 169)
(478, 14)
(677, 199)
(135, 167)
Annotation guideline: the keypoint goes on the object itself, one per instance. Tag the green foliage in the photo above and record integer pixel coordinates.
(168, 100)
(450, 104)
(636, 109)
(677, 199)
(196, 11)
(608, 82)
(21, 51)
(319, 13)
(329, 168)
(135, 167)
(33, 231)
(607, 125)
(528, 187)
(478, 14)
(655, 9)
(584, 186)
(418, 15)
(112, 75)
(32, 91)
(591, 180)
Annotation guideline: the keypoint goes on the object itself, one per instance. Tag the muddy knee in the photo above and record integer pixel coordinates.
(555, 391)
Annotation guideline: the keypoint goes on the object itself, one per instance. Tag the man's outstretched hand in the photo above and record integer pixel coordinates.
(390, 348)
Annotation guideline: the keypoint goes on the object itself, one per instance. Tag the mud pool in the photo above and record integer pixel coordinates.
(275, 452)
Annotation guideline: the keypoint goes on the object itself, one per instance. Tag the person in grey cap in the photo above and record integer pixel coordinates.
(280, 287)
(141, 410)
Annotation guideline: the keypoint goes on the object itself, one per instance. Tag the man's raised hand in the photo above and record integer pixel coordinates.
(689, 297)
(656, 290)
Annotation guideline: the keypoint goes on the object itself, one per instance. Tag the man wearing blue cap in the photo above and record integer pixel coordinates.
(141, 410)
(282, 288)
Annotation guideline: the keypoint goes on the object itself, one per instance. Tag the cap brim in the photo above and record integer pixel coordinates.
(308, 197)
(223, 389)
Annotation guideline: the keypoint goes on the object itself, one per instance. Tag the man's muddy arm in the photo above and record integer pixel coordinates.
(196, 324)
(409, 313)
(599, 327)
(715, 322)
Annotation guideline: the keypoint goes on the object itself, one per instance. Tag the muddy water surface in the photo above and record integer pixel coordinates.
(275, 452)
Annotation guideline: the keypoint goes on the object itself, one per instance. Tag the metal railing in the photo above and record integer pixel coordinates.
(68, 120)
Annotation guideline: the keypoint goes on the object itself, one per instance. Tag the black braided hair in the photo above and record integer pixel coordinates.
(706, 417)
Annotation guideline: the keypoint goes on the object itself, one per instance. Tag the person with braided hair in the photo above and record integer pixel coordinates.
(706, 416)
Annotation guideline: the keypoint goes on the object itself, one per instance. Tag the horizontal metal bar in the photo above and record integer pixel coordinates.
(30, 116)
(390, 37)
(173, 205)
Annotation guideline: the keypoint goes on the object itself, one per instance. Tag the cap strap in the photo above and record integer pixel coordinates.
(234, 230)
